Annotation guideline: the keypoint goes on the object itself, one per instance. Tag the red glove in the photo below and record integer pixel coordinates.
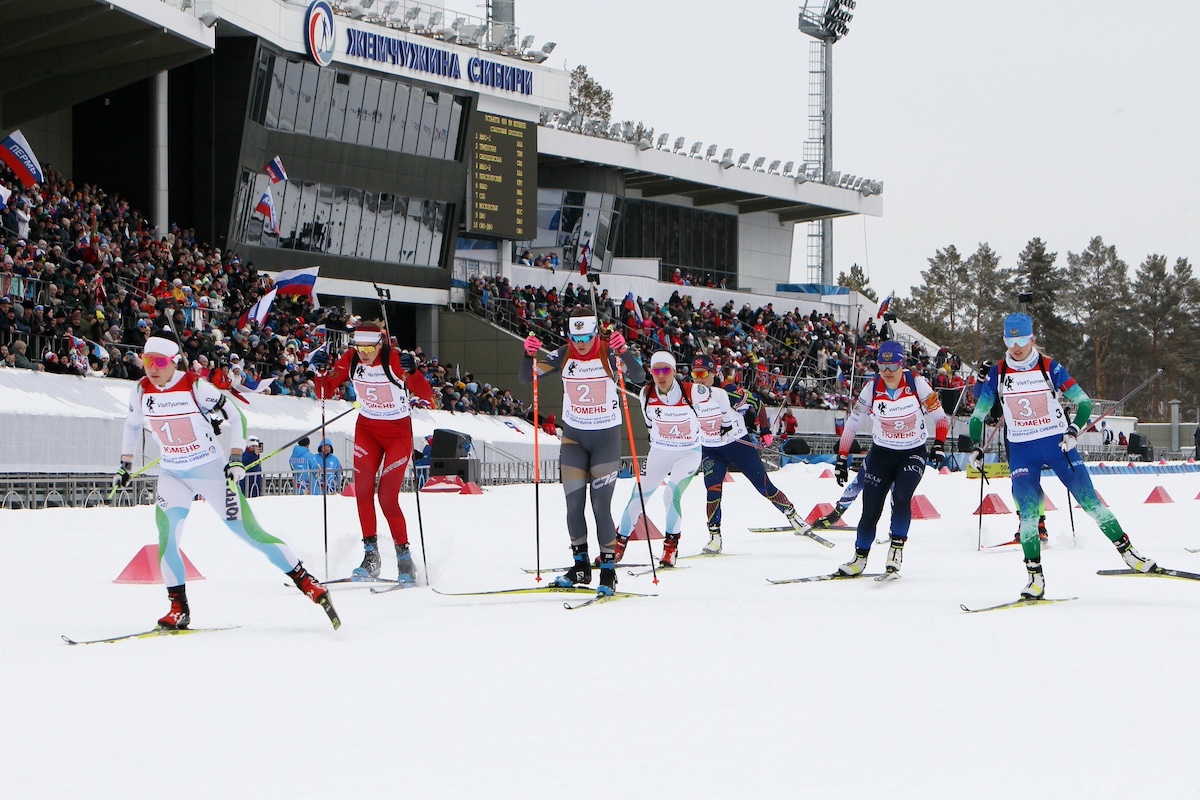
(532, 345)
(616, 342)
(323, 393)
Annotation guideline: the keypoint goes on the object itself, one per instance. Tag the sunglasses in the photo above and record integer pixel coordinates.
(1017, 341)
(889, 367)
(158, 362)
(367, 348)
(700, 373)
(661, 370)
(582, 338)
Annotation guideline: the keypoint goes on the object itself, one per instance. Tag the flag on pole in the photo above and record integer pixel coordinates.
(632, 305)
(5, 193)
(583, 259)
(259, 311)
(298, 282)
(255, 386)
(275, 170)
(266, 207)
(17, 153)
(884, 306)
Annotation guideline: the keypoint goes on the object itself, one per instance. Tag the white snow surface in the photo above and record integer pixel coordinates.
(721, 686)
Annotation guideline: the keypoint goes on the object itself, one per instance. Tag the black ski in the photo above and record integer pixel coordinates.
(790, 529)
(151, 634)
(833, 576)
(326, 605)
(394, 586)
(1026, 601)
(1157, 572)
(526, 590)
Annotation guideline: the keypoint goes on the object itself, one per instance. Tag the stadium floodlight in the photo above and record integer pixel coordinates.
(662, 140)
(209, 19)
(833, 178)
(727, 158)
(774, 168)
(787, 168)
(390, 8)
(801, 177)
(758, 162)
(695, 151)
(712, 151)
(406, 22)
(526, 43)
(644, 144)
(679, 143)
(615, 131)
(742, 159)
(538, 56)
(186, 4)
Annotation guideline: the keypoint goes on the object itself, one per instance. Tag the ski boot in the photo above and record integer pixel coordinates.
(1133, 558)
(314, 590)
(714, 542)
(179, 616)
(618, 551)
(608, 575)
(581, 573)
(830, 519)
(799, 526)
(1036, 587)
(406, 570)
(855, 568)
(369, 569)
(1043, 534)
(895, 556)
(670, 553)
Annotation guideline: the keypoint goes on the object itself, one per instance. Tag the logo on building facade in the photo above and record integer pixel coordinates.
(318, 33)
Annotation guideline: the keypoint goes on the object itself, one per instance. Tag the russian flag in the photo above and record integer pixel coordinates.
(259, 311)
(583, 259)
(16, 152)
(5, 193)
(275, 170)
(297, 282)
(266, 207)
(632, 305)
(884, 306)
(256, 386)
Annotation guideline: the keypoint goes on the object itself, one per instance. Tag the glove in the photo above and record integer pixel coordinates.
(937, 453)
(726, 429)
(975, 460)
(532, 345)
(768, 440)
(123, 476)
(235, 470)
(616, 342)
(841, 470)
(218, 416)
(408, 363)
(319, 359)
(1070, 439)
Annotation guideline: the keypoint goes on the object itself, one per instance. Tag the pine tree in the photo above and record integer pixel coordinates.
(1035, 274)
(857, 281)
(587, 97)
(1096, 302)
(989, 296)
(936, 307)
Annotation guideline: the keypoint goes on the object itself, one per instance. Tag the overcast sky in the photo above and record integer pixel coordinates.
(987, 122)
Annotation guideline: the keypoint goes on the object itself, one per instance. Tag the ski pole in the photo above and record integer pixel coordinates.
(291, 442)
(637, 472)
(112, 492)
(537, 477)
(324, 489)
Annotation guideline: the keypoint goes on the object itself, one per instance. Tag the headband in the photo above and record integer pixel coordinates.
(161, 346)
(582, 326)
(368, 337)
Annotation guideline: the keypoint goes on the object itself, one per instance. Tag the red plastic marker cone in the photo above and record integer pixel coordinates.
(645, 529)
(992, 504)
(820, 510)
(444, 483)
(470, 487)
(944, 471)
(348, 489)
(1159, 495)
(826, 474)
(923, 509)
(144, 568)
(728, 478)
(1050, 505)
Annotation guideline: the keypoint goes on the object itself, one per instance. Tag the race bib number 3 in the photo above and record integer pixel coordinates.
(1028, 407)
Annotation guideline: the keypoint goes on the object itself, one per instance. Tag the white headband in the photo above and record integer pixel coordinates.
(368, 337)
(581, 326)
(161, 346)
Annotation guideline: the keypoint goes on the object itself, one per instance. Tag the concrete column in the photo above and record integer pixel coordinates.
(159, 191)
(1174, 404)
(427, 330)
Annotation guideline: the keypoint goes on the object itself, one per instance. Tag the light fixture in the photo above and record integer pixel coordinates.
(679, 143)
(644, 144)
(758, 162)
(526, 43)
(695, 151)
(538, 56)
(209, 19)
(742, 159)
(833, 178)
(662, 140)
(712, 151)
(801, 177)
(727, 158)
(774, 168)
(451, 34)
(787, 168)
(628, 131)
(186, 4)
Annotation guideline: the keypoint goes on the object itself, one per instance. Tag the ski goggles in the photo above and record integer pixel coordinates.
(1017, 341)
(368, 348)
(664, 370)
(582, 338)
(889, 367)
(700, 373)
(158, 362)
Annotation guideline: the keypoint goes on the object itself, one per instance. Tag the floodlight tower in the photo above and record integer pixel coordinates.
(827, 21)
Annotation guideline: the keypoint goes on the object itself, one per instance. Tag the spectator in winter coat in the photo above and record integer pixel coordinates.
(332, 469)
(304, 466)
(20, 359)
(252, 484)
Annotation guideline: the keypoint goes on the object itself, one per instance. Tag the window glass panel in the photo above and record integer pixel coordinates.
(396, 237)
(366, 227)
(322, 229)
(399, 115)
(276, 92)
(322, 101)
(287, 204)
(425, 234)
(354, 108)
(383, 116)
(428, 121)
(290, 96)
(337, 220)
(337, 114)
(354, 212)
(383, 226)
(412, 224)
(308, 96)
(241, 209)
(304, 220)
(262, 86)
(412, 120)
(441, 125)
(370, 112)
(454, 131)
(441, 212)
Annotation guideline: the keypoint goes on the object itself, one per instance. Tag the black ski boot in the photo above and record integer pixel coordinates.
(369, 569)
(608, 575)
(581, 573)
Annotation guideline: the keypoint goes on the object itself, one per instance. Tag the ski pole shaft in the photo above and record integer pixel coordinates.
(537, 477)
(324, 490)
(288, 444)
(112, 492)
(637, 472)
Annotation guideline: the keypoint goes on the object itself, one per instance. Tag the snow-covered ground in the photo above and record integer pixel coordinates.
(721, 686)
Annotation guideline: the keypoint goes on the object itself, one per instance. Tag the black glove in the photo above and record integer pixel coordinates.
(841, 470)
(726, 429)
(1070, 439)
(319, 359)
(975, 460)
(407, 362)
(994, 415)
(937, 453)
(235, 470)
(124, 475)
(218, 416)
